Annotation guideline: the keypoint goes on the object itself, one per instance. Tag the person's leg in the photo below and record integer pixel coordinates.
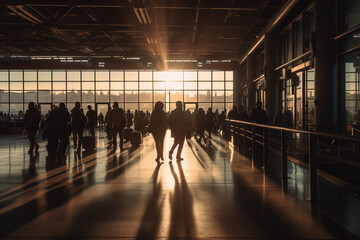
(156, 140)
(161, 146)
(75, 138)
(31, 137)
(176, 142)
(181, 144)
(92, 131)
(121, 136)
(115, 130)
(80, 136)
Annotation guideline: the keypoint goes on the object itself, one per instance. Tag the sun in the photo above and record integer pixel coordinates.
(173, 79)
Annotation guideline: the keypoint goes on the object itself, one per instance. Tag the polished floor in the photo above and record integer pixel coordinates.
(212, 193)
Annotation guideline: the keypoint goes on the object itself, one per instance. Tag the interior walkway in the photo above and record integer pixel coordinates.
(213, 193)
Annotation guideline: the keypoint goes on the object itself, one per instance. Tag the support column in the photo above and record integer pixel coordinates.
(237, 90)
(251, 68)
(325, 65)
(271, 82)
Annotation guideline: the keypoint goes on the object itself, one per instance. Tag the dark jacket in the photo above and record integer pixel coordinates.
(177, 123)
(258, 115)
(78, 119)
(158, 122)
(92, 119)
(59, 121)
(118, 118)
(32, 119)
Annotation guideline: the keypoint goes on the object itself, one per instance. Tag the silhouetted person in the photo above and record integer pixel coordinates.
(108, 123)
(234, 113)
(32, 120)
(210, 121)
(221, 120)
(59, 120)
(190, 128)
(129, 118)
(288, 119)
(78, 123)
(177, 124)
(258, 115)
(92, 120)
(200, 124)
(101, 119)
(158, 126)
(118, 120)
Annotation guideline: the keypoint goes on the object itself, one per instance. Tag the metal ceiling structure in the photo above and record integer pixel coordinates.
(158, 29)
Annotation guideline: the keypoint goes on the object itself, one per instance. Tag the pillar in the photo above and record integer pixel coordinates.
(271, 83)
(325, 65)
(251, 68)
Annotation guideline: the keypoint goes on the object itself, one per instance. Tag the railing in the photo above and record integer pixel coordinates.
(312, 150)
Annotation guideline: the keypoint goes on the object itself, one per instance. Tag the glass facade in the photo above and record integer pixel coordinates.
(133, 89)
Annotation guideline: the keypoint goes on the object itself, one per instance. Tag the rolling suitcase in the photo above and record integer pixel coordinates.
(127, 132)
(89, 143)
(135, 138)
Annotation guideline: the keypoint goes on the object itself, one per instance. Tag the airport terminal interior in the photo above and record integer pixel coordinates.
(279, 159)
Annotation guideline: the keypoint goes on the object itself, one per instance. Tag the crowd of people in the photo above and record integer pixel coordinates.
(60, 123)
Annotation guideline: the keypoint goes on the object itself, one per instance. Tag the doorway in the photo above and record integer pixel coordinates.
(192, 106)
(101, 110)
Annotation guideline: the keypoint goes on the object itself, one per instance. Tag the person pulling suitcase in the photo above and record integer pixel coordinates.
(118, 120)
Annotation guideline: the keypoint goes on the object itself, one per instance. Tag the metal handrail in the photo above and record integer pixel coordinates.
(321, 134)
(252, 138)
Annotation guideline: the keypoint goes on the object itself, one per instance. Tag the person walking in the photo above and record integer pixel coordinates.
(108, 123)
(92, 120)
(118, 120)
(200, 124)
(32, 121)
(78, 123)
(210, 120)
(177, 124)
(158, 126)
(258, 115)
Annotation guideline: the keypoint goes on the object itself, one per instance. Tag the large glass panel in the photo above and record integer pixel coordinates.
(104, 86)
(229, 85)
(88, 86)
(131, 106)
(30, 96)
(190, 96)
(102, 75)
(131, 85)
(116, 85)
(145, 85)
(88, 96)
(229, 75)
(117, 96)
(205, 106)
(159, 96)
(16, 75)
(16, 108)
(159, 85)
(44, 75)
(146, 107)
(218, 75)
(4, 108)
(73, 75)
(229, 96)
(4, 75)
(4, 86)
(218, 85)
(204, 75)
(87, 75)
(4, 96)
(59, 96)
(218, 96)
(44, 86)
(176, 96)
(204, 96)
(190, 85)
(102, 96)
(30, 86)
(45, 96)
(117, 75)
(174, 85)
(145, 96)
(190, 75)
(59, 75)
(73, 96)
(73, 86)
(145, 75)
(131, 75)
(16, 86)
(59, 85)
(218, 107)
(30, 75)
(131, 96)
(205, 85)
